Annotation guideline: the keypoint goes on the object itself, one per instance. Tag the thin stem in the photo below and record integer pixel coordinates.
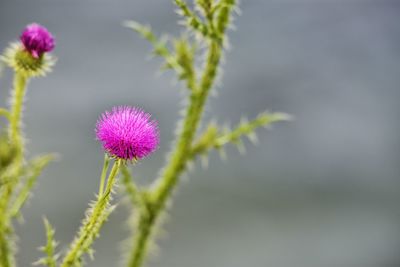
(5, 113)
(92, 224)
(131, 188)
(103, 174)
(160, 47)
(212, 138)
(20, 82)
(162, 190)
(21, 197)
(51, 259)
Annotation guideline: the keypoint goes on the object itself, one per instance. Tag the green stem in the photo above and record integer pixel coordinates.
(162, 190)
(92, 224)
(36, 167)
(194, 112)
(5, 252)
(20, 82)
(15, 135)
(19, 88)
(5, 113)
(142, 238)
(131, 188)
(103, 175)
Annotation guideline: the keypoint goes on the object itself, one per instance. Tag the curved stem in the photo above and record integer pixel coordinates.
(162, 190)
(92, 224)
(5, 113)
(131, 188)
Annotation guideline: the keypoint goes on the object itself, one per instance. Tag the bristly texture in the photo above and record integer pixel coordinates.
(127, 133)
(37, 40)
(19, 59)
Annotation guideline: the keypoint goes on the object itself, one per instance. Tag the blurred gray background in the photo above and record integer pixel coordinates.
(320, 191)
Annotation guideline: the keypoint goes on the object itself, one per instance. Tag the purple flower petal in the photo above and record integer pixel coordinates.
(37, 40)
(127, 133)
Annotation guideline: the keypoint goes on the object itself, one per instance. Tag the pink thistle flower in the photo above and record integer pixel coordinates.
(127, 133)
(37, 40)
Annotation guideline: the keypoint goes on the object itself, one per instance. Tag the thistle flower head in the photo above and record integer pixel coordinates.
(37, 40)
(127, 133)
(29, 56)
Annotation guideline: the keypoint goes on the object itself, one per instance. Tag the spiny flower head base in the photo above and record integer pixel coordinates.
(29, 56)
(17, 58)
(37, 40)
(127, 133)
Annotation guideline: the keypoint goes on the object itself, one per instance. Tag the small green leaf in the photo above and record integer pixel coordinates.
(159, 45)
(214, 138)
(51, 259)
(34, 169)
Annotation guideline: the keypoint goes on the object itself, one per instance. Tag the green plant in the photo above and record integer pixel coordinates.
(17, 176)
(127, 135)
(207, 28)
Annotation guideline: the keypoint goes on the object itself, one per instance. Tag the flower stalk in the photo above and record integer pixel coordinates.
(13, 175)
(28, 59)
(97, 215)
(103, 175)
(20, 83)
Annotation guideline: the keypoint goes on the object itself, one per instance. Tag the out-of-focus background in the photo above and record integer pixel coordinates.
(320, 191)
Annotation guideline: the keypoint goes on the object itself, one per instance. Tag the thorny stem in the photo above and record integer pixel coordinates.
(19, 86)
(5, 255)
(166, 184)
(15, 136)
(89, 230)
(161, 191)
(20, 82)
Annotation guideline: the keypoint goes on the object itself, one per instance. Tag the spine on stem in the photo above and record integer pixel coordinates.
(93, 222)
(20, 83)
(12, 175)
(127, 134)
